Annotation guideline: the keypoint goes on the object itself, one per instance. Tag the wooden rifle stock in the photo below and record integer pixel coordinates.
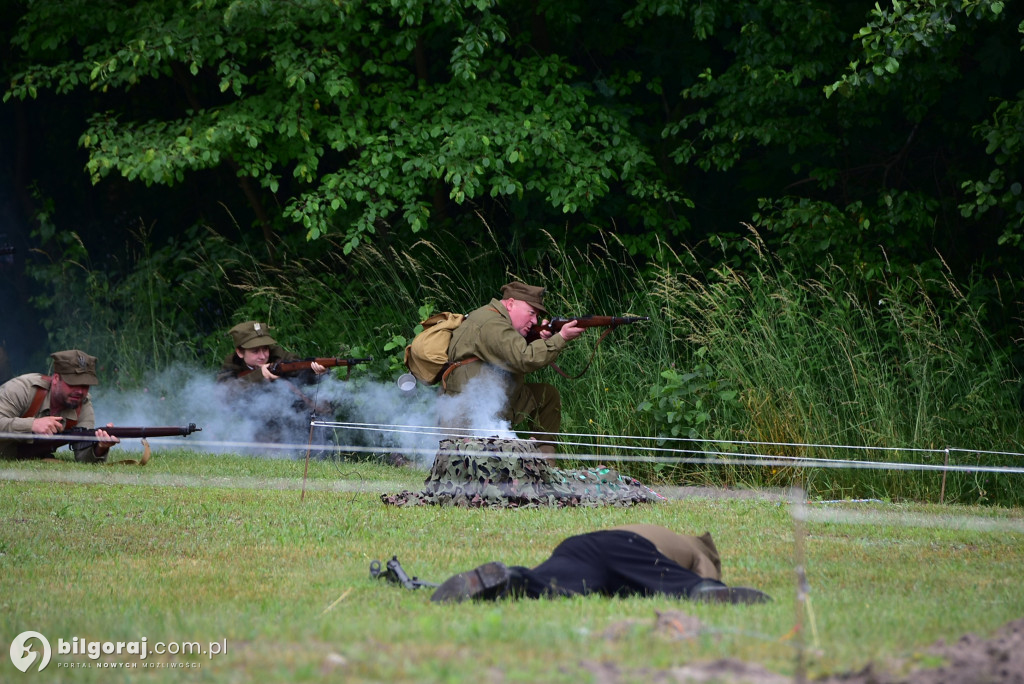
(42, 446)
(305, 364)
(556, 324)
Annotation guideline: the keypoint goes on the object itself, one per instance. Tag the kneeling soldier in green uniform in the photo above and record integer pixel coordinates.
(495, 336)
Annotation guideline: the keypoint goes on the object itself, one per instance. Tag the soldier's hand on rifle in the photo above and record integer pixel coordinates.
(317, 368)
(570, 331)
(267, 375)
(105, 441)
(48, 425)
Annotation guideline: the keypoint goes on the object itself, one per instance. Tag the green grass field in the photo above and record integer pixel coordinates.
(203, 548)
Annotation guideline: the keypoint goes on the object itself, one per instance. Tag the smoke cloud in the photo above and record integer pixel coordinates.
(271, 420)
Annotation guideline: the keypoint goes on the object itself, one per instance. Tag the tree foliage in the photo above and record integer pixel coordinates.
(349, 116)
(878, 135)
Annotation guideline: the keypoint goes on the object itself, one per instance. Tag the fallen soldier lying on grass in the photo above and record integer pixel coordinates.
(630, 560)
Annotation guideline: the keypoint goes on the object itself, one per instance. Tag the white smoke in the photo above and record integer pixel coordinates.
(363, 414)
(477, 409)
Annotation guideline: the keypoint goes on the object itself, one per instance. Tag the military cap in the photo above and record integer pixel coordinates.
(530, 294)
(75, 367)
(252, 334)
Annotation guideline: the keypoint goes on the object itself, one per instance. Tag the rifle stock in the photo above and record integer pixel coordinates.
(41, 446)
(305, 364)
(556, 324)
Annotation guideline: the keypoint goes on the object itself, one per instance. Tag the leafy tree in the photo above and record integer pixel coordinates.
(878, 136)
(344, 118)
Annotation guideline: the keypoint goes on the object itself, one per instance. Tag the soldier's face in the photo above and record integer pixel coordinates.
(523, 316)
(257, 356)
(63, 395)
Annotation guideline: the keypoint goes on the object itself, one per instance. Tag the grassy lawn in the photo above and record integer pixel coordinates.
(204, 548)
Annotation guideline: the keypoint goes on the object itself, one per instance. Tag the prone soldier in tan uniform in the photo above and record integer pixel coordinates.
(494, 336)
(629, 560)
(37, 404)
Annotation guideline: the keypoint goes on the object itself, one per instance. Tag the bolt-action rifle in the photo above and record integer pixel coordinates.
(43, 446)
(280, 367)
(395, 574)
(556, 324)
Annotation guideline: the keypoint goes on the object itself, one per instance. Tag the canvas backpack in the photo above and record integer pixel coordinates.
(427, 356)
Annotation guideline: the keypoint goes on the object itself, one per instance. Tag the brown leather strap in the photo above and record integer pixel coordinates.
(452, 366)
(447, 370)
(130, 461)
(591, 360)
(37, 401)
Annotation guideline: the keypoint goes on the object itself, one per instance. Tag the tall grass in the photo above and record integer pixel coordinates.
(758, 354)
(839, 361)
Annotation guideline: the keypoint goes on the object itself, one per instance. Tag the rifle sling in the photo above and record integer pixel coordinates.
(131, 461)
(565, 375)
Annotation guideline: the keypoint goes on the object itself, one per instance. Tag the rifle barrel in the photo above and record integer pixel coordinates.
(556, 324)
(306, 364)
(44, 444)
(151, 431)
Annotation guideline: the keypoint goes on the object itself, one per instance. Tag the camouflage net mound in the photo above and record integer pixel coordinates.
(507, 473)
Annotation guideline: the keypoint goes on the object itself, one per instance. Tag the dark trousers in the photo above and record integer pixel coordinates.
(608, 562)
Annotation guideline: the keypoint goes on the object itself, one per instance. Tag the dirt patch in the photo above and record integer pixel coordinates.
(970, 660)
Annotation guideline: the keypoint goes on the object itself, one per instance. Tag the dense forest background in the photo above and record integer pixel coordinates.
(341, 168)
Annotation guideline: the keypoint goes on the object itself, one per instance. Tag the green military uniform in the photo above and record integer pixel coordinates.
(249, 335)
(17, 396)
(288, 424)
(488, 335)
(234, 368)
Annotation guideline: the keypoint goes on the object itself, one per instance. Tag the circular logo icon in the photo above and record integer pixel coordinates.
(22, 654)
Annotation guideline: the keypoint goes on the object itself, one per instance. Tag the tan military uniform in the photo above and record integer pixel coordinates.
(16, 396)
(487, 334)
(698, 554)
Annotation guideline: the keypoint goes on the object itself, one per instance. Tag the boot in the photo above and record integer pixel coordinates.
(487, 582)
(710, 591)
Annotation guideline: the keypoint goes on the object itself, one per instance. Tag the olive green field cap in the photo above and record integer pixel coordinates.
(75, 367)
(252, 334)
(530, 294)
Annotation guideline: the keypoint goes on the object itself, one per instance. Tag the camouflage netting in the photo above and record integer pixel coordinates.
(466, 474)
